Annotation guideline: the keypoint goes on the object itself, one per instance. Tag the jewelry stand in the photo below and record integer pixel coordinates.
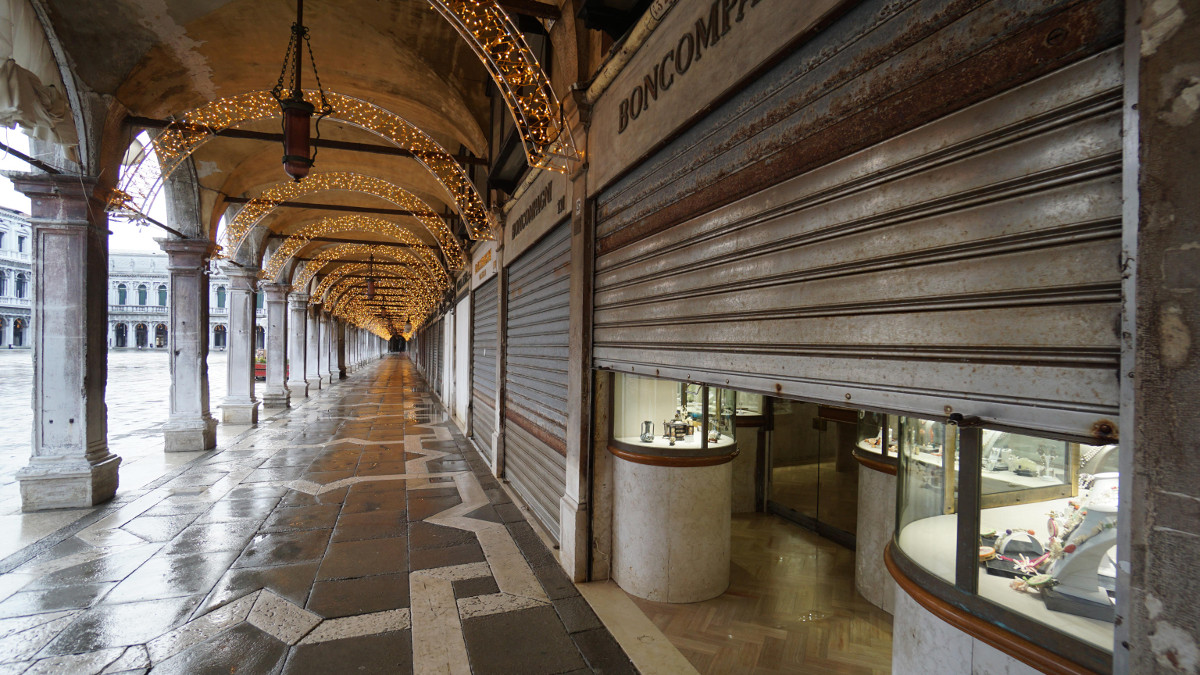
(1078, 589)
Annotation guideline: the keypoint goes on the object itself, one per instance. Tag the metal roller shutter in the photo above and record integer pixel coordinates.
(970, 263)
(435, 333)
(485, 305)
(535, 424)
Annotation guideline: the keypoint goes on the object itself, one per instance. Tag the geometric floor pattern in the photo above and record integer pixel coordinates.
(791, 607)
(355, 533)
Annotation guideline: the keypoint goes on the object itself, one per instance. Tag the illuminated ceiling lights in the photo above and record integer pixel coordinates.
(328, 255)
(258, 208)
(297, 112)
(518, 75)
(142, 182)
(356, 224)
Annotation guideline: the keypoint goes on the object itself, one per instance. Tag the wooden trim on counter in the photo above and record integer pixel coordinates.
(876, 463)
(977, 627)
(679, 461)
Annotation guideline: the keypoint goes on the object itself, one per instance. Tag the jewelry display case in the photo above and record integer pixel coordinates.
(1042, 517)
(877, 433)
(672, 418)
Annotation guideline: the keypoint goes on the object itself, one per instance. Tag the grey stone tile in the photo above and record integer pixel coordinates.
(529, 641)
(445, 557)
(350, 559)
(301, 518)
(241, 649)
(130, 623)
(362, 501)
(576, 614)
(421, 506)
(288, 581)
(165, 576)
(509, 513)
(212, 537)
(555, 582)
(422, 535)
(159, 528)
(283, 473)
(382, 654)
(370, 525)
(603, 653)
(113, 567)
(54, 599)
(469, 588)
(348, 597)
(282, 548)
(227, 510)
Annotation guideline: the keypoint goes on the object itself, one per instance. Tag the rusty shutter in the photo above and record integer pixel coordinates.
(484, 305)
(971, 264)
(535, 396)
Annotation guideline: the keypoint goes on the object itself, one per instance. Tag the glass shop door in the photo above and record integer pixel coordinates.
(812, 476)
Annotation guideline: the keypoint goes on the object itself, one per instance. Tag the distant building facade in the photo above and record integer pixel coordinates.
(16, 279)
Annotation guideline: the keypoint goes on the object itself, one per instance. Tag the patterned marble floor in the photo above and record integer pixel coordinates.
(355, 533)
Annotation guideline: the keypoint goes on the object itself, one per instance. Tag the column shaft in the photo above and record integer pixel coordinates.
(329, 346)
(240, 405)
(297, 345)
(275, 393)
(70, 466)
(190, 426)
(312, 362)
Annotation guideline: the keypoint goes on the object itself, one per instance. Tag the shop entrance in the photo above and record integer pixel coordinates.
(812, 476)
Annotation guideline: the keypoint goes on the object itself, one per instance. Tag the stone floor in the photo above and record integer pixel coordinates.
(354, 533)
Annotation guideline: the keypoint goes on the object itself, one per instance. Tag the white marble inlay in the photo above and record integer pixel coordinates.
(437, 638)
(484, 605)
(281, 618)
(355, 626)
(202, 628)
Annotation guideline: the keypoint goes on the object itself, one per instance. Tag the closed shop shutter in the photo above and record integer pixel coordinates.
(535, 424)
(971, 264)
(435, 333)
(485, 305)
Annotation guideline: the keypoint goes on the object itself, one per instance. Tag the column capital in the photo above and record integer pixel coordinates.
(298, 300)
(186, 254)
(241, 278)
(59, 197)
(275, 292)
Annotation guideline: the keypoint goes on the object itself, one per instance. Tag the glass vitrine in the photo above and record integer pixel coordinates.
(877, 433)
(650, 413)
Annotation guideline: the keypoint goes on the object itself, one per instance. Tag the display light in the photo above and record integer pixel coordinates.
(297, 112)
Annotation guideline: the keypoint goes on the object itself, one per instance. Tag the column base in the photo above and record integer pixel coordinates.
(276, 399)
(325, 379)
(342, 374)
(241, 412)
(298, 389)
(73, 484)
(190, 435)
(314, 384)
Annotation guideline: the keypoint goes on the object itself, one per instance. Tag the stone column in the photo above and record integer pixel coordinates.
(312, 358)
(70, 465)
(329, 347)
(297, 344)
(240, 406)
(275, 394)
(339, 334)
(190, 426)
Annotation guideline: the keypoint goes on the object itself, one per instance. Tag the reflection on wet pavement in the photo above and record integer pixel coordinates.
(357, 532)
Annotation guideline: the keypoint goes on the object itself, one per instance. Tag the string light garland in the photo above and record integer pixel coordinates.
(328, 255)
(141, 182)
(256, 209)
(501, 47)
(357, 224)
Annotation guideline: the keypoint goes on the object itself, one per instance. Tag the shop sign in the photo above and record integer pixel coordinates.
(700, 51)
(543, 203)
(484, 262)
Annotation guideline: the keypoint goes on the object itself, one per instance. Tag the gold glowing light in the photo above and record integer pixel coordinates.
(501, 47)
(258, 208)
(328, 255)
(141, 182)
(357, 224)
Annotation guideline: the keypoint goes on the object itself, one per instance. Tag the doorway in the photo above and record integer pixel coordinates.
(812, 476)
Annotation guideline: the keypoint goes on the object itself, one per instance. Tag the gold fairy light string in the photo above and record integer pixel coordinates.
(326, 255)
(141, 182)
(354, 223)
(258, 208)
(501, 47)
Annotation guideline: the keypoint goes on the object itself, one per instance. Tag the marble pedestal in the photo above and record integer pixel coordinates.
(240, 413)
(67, 482)
(671, 530)
(196, 435)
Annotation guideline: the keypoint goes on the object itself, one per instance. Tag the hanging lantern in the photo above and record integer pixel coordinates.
(298, 156)
(407, 326)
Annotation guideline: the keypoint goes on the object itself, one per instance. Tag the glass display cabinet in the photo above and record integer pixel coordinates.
(1022, 522)
(877, 433)
(675, 418)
